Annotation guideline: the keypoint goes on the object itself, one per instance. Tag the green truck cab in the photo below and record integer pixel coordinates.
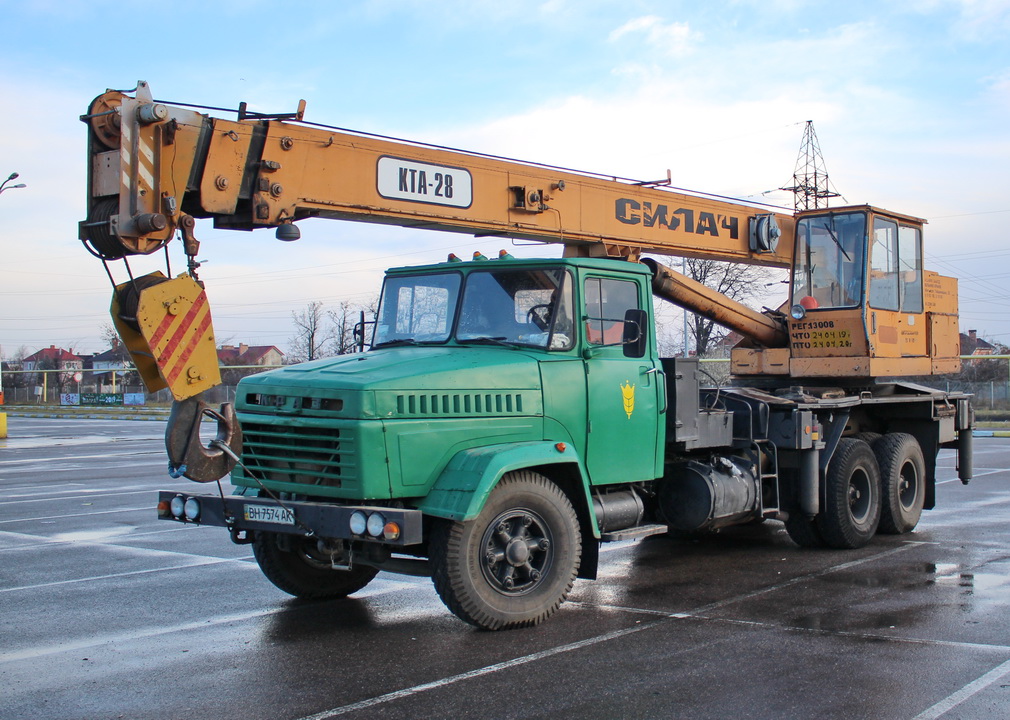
(511, 415)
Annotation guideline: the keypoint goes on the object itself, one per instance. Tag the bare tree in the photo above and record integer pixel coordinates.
(748, 284)
(311, 334)
(343, 321)
(109, 335)
(15, 362)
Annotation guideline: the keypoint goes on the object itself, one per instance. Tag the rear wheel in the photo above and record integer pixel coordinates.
(296, 566)
(867, 436)
(514, 564)
(803, 531)
(902, 477)
(851, 511)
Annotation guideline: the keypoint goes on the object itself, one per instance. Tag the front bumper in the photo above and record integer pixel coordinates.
(306, 519)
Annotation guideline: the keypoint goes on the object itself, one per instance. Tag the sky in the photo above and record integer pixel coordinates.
(910, 101)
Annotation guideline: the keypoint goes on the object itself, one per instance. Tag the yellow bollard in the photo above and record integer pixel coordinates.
(3, 425)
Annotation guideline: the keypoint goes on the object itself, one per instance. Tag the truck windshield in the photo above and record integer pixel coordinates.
(828, 268)
(518, 306)
(417, 309)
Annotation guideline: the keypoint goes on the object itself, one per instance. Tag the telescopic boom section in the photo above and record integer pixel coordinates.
(681, 290)
(153, 166)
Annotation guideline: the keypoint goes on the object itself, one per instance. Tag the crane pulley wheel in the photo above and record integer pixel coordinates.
(129, 298)
(99, 231)
(104, 119)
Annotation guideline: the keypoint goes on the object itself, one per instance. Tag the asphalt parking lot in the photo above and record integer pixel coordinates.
(109, 613)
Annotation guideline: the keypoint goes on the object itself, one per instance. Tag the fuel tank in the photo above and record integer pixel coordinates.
(697, 496)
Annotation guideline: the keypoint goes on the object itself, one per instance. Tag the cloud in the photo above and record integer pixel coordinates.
(674, 39)
(983, 19)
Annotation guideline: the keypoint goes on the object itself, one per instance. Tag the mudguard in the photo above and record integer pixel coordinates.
(461, 490)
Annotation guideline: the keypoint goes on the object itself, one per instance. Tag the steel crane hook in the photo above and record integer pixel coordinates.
(187, 455)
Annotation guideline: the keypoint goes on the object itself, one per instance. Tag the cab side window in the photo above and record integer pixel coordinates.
(607, 301)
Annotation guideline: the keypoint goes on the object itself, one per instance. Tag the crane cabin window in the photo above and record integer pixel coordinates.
(895, 267)
(884, 293)
(828, 267)
(910, 267)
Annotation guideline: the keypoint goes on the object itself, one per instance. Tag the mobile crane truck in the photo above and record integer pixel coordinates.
(513, 414)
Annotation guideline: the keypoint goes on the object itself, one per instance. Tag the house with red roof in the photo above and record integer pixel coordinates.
(54, 358)
(242, 354)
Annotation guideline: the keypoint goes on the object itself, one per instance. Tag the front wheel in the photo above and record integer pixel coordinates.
(296, 566)
(851, 510)
(514, 564)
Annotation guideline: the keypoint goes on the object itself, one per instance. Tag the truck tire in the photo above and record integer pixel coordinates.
(302, 572)
(902, 480)
(851, 511)
(803, 531)
(515, 563)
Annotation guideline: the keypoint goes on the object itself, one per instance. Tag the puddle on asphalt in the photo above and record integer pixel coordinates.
(93, 535)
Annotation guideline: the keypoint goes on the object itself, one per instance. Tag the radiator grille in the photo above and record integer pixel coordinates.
(307, 455)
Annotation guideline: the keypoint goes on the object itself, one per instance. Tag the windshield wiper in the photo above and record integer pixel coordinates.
(394, 343)
(837, 242)
(486, 340)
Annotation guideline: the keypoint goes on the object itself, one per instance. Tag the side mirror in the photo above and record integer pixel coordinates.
(636, 335)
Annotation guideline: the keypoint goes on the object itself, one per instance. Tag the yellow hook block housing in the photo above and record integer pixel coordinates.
(166, 325)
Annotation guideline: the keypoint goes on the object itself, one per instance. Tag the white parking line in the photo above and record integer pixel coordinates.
(199, 563)
(39, 541)
(49, 487)
(93, 493)
(487, 670)
(800, 578)
(380, 588)
(976, 474)
(105, 538)
(157, 457)
(149, 508)
(972, 688)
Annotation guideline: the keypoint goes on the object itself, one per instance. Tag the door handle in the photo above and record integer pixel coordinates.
(660, 373)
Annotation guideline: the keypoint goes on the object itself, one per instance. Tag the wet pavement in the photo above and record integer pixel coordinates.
(110, 613)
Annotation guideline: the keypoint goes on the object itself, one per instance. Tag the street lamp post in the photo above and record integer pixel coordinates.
(12, 176)
(3, 415)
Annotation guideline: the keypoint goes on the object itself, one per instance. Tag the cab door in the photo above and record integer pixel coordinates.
(624, 383)
(896, 324)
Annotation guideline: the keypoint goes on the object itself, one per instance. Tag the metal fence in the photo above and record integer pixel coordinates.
(61, 387)
(985, 377)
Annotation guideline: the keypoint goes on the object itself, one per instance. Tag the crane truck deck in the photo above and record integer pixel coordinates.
(513, 414)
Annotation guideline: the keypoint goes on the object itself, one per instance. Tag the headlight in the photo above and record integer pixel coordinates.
(177, 506)
(376, 522)
(359, 522)
(797, 312)
(192, 509)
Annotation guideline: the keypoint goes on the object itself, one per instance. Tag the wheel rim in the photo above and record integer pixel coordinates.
(908, 486)
(860, 499)
(518, 550)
